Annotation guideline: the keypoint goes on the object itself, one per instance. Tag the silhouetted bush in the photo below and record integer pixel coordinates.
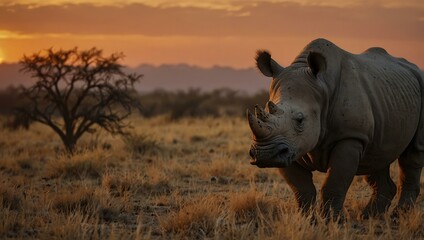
(9, 99)
(195, 103)
(189, 103)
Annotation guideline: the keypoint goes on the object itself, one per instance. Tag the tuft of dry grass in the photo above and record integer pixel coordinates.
(412, 224)
(120, 184)
(10, 198)
(77, 226)
(10, 223)
(88, 164)
(197, 217)
(140, 144)
(81, 199)
(250, 205)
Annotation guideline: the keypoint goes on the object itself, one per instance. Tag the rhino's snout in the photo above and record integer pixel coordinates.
(278, 155)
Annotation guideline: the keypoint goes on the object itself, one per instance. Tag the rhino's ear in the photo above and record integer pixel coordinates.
(316, 63)
(267, 65)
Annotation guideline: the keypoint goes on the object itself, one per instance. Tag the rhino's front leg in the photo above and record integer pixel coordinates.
(300, 181)
(342, 167)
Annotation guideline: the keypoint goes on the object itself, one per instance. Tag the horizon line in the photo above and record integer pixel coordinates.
(213, 66)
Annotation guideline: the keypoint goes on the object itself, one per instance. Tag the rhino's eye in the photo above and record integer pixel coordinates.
(299, 120)
(299, 117)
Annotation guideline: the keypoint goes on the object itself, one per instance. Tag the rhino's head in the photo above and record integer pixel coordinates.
(290, 125)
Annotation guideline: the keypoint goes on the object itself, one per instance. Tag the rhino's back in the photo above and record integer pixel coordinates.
(391, 86)
(390, 101)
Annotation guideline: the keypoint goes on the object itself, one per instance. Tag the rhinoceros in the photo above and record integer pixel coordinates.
(342, 114)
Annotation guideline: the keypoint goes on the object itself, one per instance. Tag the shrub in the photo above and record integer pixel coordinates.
(140, 144)
(89, 164)
(196, 103)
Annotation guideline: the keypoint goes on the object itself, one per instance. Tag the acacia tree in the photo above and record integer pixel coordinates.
(76, 91)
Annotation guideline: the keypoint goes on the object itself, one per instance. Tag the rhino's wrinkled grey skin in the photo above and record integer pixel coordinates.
(346, 115)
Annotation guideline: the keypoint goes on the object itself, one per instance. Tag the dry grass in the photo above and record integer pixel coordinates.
(89, 164)
(188, 179)
(197, 217)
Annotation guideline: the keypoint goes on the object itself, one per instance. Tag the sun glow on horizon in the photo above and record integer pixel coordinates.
(1, 56)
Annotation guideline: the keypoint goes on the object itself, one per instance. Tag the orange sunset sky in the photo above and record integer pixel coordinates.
(210, 32)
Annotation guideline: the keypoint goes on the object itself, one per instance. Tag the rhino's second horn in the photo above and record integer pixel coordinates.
(272, 108)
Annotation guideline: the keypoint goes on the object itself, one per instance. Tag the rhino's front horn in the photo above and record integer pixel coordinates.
(259, 129)
(261, 114)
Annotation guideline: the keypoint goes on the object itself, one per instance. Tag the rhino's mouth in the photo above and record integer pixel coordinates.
(271, 155)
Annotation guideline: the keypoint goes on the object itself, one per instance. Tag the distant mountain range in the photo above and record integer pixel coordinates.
(168, 77)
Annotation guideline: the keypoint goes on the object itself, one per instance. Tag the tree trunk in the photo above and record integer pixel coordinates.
(70, 143)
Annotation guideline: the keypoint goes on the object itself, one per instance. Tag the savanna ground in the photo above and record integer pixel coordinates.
(185, 179)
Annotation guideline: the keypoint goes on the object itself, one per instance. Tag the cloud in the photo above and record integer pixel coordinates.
(261, 19)
(13, 35)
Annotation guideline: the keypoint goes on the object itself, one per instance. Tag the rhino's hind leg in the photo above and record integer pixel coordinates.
(410, 165)
(384, 190)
